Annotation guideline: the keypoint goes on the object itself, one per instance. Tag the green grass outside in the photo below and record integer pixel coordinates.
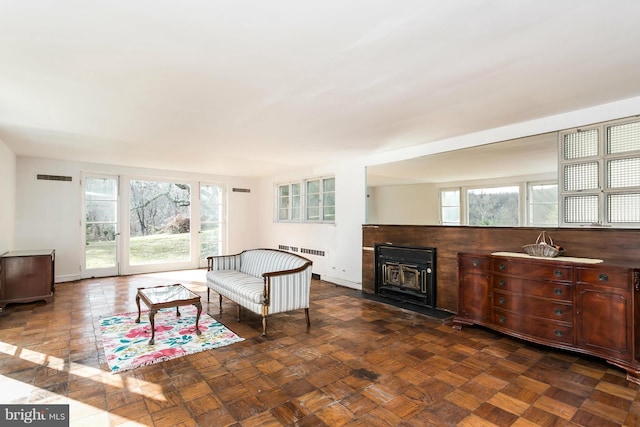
(156, 249)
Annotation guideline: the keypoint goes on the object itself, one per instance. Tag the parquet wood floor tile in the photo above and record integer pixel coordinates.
(362, 363)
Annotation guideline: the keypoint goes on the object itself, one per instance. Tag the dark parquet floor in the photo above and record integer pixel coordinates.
(362, 363)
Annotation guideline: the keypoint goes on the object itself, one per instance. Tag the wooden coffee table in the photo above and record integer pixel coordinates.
(166, 296)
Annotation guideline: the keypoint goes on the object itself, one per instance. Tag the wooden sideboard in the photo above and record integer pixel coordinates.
(588, 308)
(26, 276)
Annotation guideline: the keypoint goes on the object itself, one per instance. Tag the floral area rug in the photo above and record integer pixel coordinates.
(126, 343)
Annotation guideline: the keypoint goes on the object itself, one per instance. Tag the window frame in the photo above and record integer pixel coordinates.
(603, 191)
(302, 209)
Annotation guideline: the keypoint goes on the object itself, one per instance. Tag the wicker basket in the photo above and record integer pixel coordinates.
(543, 248)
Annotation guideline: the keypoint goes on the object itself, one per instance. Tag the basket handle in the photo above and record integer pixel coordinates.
(542, 239)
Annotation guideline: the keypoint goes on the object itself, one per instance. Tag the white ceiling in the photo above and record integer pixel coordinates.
(252, 87)
(533, 156)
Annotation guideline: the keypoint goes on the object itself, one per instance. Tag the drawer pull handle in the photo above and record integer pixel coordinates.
(501, 319)
(476, 263)
(501, 282)
(557, 291)
(501, 266)
(557, 273)
(558, 333)
(501, 301)
(603, 277)
(559, 312)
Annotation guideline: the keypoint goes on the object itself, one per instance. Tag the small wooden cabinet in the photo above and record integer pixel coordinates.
(27, 276)
(588, 308)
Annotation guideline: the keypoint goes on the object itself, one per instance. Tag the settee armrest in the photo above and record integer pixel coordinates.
(288, 290)
(223, 262)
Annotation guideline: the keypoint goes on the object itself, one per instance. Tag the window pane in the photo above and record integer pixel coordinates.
(450, 197)
(104, 211)
(623, 138)
(624, 173)
(211, 220)
(451, 215)
(624, 208)
(582, 176)
(283, 202)
(313, 200)
(494, 206)
(159, 222)
(329, 184)
(580, 144)
(101, 247)
(296, 202)
(581, 209)
(543, 204)
(328, 199)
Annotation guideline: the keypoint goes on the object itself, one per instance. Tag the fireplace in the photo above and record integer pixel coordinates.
(406, 274)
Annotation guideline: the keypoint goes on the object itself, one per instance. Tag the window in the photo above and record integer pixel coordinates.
(543, 204)
(600, 179)
(450, 207)
(319, 201)
(289, 202)
(498, 206)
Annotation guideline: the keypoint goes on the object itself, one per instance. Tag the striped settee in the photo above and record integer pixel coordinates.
(264, 281)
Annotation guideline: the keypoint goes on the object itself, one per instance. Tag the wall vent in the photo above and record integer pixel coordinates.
(241, 190)
(312, 251)
(53, 177)
(288, 248)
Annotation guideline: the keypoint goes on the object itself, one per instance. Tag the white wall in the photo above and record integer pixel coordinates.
(8, 198)
(48, 212)
(414, 204)
(341, 241)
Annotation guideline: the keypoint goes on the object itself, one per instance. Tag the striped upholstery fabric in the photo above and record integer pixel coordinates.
(257, 262)
(226, 262)
(289, 292)
(240, 278)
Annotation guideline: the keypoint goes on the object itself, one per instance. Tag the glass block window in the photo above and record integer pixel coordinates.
(581, 209)
(581, 144)
(623, 138)
(450, 207)
(602, 189)
(581, 176)
(623, 173)
(623, 208)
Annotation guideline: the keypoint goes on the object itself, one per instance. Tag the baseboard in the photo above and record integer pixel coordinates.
(67, 278)
(342, 282)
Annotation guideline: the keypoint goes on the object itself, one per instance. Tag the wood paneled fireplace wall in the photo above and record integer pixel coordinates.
(615, 246)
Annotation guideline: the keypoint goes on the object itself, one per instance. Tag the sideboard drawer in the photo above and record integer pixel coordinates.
(559, 291)
(535, 327)
(617, 278)
(531, 306)
(475, 263)
(531, 270)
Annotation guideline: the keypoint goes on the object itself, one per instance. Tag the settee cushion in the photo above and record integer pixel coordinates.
(247, 287)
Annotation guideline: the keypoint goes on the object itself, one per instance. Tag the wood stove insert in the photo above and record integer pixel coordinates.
(406, 274)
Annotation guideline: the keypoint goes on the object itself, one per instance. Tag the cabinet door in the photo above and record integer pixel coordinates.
(603, 321)
(474, 296)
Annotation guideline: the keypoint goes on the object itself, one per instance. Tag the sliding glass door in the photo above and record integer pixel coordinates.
(138, 225)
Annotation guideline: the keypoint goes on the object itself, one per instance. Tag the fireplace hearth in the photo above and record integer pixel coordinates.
(406, 274)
